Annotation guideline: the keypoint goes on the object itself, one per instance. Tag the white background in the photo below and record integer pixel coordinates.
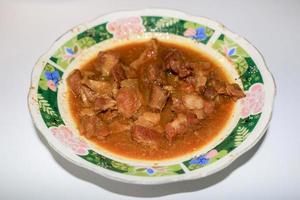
(29, 169)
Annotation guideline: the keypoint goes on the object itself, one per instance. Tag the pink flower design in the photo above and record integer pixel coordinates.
(189, 32)
(253, 103)
(66, 137)
(211, 154)
(124, 28)
(51, 85)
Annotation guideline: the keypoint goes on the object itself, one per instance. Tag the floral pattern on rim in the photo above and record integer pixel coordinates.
(253, 103)
(208, 158)
(126, 27)
(66, 137)
(197, 31)
(232, 52)
(53, 78)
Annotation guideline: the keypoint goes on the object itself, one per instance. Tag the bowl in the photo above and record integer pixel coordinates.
(48, 105)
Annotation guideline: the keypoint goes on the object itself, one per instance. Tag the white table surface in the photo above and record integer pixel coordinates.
(29, 169)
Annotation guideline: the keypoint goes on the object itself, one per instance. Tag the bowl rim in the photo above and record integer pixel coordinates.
(218, 166)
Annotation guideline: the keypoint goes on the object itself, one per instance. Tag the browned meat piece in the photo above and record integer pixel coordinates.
(148, 119)
(152, 72)
(210, 93)
(177, 127)
(87, 95)
(200, 113)
(192, 119)
(145, 136)
(219, 86)
(235, 91)
(119, 127)
(128, 101)
(87, 111)
(88, 126)
(131, 83)
(104, 103)
(209, 107)
(149, 54)
(106, 61)
(200, 81)
(186, 87)
(158, 98)
(109, 115)
(175, 61)
(74, 82)
(177, 104)
(101, 87)
(118, 73)
(102, 132)
(130, 72)
(192, 101)
(91, 127)
(155, 73)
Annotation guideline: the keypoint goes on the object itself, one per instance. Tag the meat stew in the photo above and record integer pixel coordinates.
(151, 100)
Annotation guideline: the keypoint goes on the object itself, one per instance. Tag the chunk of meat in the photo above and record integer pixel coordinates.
(91, 127)
(87, 111)
(177, 104)
(118, 73)
(149, 54)
(186, 87)
(175, 62)
(74, 82)
(102, 132)
(219, 86)
(158, 98)
(209, 107)
(104, 103)
(155, 73)
(87, 95)
(235, 91)
(210, 93)
(128, 101)
(145, 136)
(192, 119)
(148, 119)
(131, 83)
(177, 127)
(130, 72)
(106, 60)
(88, 126)
(192, 101)
(200, 113)
(119, 127)
(103, 88)
(109, 115)
(200, 80)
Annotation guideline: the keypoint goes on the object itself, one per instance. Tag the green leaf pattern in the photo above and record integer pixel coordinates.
(166, 22)
(116, 166)
(45, 106)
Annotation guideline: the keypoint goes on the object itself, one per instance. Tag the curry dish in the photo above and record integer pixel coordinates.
(151, 100)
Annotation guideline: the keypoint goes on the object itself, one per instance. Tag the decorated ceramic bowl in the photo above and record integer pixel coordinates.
(48, 100)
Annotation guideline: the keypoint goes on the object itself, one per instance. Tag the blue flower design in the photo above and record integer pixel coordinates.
(200, 34)
(231, 51)
(201, 160)
(150, 171)
(54, 76)
(69, 51)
